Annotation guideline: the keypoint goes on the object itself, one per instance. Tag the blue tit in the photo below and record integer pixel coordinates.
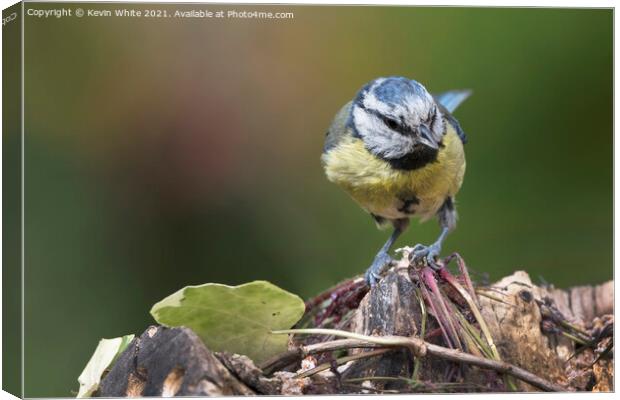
(398, 152)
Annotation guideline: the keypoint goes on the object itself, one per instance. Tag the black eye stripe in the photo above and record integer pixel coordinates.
(432, 117)
(399, 127)
(390, 122)
(395, 125)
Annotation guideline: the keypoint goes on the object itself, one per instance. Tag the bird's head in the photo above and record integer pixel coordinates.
(396, 117)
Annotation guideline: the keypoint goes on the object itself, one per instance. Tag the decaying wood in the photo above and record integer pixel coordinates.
(170, 362)
(515, 323)
(175, 362)
(523, 319)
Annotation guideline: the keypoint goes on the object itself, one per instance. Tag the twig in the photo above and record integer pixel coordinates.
(340, 361)
(281, 360)
(416, 345)
(340, 344)
(499, 366)
(481, 292)
(575, 339)
(421, 348)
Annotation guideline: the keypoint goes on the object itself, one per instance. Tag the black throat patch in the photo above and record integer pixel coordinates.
(416, 159)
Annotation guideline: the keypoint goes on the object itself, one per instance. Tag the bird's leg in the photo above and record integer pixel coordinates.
(373, 273)
(447, 221)
(422, 252)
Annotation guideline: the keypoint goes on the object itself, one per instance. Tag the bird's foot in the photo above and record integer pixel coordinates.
(373, 273)
(422, 254)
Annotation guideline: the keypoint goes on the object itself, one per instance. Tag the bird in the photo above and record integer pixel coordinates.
(398, 151)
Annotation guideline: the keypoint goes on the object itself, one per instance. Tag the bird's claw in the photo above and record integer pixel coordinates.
(373, 273)
(371, 278)
(422, 254)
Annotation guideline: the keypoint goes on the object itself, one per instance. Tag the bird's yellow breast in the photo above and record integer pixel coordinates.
(380, 189)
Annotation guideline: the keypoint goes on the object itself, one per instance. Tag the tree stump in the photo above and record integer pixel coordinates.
(539, 329)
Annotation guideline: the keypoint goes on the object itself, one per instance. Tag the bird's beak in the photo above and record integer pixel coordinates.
(426, 137)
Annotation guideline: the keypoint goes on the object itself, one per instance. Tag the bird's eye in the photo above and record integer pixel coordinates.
(391, 123)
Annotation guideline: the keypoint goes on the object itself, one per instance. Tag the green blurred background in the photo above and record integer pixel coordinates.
(166, 152)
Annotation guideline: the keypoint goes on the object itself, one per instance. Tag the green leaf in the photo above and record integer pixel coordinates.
(237, 319)
(105, 354)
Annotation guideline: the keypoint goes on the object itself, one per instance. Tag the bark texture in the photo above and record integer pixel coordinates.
(170, 362)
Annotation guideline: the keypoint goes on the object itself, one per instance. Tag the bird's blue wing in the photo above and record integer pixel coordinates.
(452, 99)
(338, 129)
(449, 101)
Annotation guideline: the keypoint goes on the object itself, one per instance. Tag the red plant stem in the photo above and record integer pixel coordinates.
(315, 301)
(465, 274)
(431, 303)
(431, 334)
(429, 279)
(335, 294)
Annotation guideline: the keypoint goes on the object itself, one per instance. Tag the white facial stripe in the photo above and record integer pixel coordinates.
(378, 138)
(371, 102)
(438, 126)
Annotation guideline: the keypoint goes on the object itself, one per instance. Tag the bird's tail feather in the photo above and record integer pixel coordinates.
(453, 98)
